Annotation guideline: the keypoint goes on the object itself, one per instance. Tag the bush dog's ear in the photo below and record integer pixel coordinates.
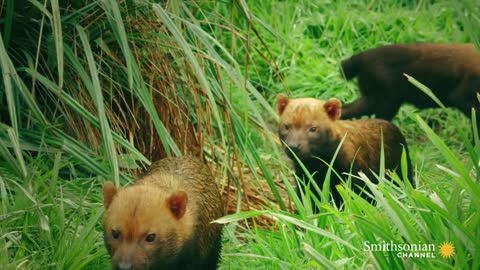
(333, 107)
(109, 191)
(177, 203)
(282, 102)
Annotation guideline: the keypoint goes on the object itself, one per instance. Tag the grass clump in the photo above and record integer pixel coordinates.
(95, 91)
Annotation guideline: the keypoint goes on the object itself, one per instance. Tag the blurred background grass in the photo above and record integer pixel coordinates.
(96, 90)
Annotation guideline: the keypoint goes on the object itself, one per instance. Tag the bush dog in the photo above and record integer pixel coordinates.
(451, 71)
(163, 220)
(312, 130)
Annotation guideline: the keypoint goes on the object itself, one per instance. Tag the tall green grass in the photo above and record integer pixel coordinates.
(443, 207)
(96, 90)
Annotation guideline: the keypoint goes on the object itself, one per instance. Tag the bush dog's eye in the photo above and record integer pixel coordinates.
(286, 126)
(313, 129)
(150, 238)
(115, 234)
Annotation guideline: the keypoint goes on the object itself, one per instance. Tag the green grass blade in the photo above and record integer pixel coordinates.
(57, 34)
(185, 47)
(467, 182)
(318, 257)
(7, 25)
(83, 112)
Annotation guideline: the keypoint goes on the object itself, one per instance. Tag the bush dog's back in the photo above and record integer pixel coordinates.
(451, 71)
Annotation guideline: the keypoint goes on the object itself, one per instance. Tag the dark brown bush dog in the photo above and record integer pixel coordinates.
(451, 71)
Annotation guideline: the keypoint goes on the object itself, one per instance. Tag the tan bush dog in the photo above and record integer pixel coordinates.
(451, 71)
(312, 130)
(163, 220)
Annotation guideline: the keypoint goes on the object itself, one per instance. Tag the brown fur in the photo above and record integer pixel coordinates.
(175, 202)
(451, 71)
(311, 129)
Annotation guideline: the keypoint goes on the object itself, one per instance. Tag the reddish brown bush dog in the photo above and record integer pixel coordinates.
(311, 128)
(451, 71)
(163, 220)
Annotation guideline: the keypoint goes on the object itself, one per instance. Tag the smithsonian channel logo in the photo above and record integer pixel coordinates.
(414, 250)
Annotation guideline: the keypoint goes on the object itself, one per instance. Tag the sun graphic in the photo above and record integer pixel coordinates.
(447, 250)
